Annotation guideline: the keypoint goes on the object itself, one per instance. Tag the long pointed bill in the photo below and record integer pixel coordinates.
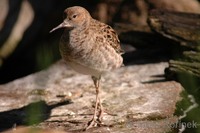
(62, 25)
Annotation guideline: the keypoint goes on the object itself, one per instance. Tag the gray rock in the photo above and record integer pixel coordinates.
(135, 98)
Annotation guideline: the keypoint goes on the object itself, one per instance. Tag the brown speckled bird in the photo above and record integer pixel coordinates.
(89, 47)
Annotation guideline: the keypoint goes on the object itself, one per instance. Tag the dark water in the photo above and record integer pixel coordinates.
(188, 108)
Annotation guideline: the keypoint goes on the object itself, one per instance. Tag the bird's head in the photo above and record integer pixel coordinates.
(74, 17)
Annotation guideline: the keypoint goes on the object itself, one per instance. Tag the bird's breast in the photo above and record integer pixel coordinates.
(75, 47)
(89, 51)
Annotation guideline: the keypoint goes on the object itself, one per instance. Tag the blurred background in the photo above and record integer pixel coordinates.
(27, 47)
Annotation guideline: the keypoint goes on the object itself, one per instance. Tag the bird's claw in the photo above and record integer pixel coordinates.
(93, 123)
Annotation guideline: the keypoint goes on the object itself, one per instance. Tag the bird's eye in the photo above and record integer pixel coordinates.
(74, 16)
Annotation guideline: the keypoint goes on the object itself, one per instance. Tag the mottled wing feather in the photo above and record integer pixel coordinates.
(111, 37)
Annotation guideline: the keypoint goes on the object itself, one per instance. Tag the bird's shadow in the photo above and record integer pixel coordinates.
(30, 114)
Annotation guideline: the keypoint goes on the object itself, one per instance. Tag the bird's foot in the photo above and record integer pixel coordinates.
(96, 121)
(100, 116)
(92, 123)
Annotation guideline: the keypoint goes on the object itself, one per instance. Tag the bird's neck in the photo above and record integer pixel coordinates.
(79, 33)
(84, 27)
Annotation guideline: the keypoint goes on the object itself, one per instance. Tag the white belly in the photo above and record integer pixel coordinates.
(83, 69)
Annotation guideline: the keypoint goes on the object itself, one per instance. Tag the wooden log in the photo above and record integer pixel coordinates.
(184, 28)
(191, 64)
(181, 27)
(193, 56)
(187, 67)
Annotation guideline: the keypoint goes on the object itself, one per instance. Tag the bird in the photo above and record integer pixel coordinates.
(89, 47)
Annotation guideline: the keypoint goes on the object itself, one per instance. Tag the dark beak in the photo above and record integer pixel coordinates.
(64, 24)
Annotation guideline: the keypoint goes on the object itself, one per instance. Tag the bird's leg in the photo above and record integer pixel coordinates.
(100, 107)
(100, 115)
(98, 103)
